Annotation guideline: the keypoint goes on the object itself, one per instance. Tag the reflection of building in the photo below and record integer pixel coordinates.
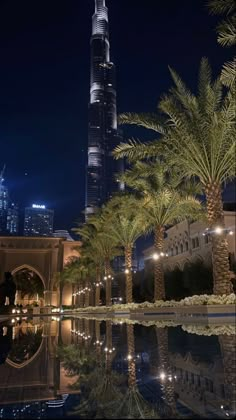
(38, 221)
(46, 383)
(103, 135)
(200, 385)
(188, 242)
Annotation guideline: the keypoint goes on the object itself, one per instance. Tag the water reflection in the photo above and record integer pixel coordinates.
(85, 368)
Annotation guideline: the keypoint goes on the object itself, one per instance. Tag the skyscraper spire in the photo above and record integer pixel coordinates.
(102, 130)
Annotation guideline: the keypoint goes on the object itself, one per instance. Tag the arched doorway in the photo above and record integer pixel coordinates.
(30, 286)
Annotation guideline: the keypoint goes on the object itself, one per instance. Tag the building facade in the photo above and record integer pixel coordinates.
(103, 134)
(188, 242)
(38, 221)
(9, 212)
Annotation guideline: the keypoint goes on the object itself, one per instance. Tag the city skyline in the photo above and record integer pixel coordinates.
(45, 85)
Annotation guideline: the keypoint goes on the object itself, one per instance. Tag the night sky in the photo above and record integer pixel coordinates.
(44, 84)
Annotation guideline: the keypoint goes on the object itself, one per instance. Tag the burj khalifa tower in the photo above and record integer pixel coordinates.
(103, 135)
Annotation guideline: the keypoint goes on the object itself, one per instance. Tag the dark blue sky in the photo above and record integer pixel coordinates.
(44, 83)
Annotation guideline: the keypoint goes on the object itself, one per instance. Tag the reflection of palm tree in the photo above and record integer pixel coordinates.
(133, 406)
(101, 384)
(165, 372)
(227, 345)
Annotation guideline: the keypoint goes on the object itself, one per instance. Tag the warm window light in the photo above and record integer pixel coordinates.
(218, 230)
(155, 256)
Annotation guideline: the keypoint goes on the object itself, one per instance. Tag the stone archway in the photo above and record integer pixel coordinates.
(29, 274)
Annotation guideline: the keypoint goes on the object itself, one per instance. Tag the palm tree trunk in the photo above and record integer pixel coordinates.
(108, 281)
(131, 355)
(159, 284)
(86, 299)
(109, 346)
(128, 274)
(220, 253)
(166, 369)
(73, 297)
(97, 293)
(60, 295)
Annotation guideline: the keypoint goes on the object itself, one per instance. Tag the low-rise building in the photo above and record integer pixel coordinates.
(188, 242)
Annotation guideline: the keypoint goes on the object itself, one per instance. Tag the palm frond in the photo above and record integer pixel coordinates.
(149, 121)
(227, 32)
(219, 7)
(228, 74)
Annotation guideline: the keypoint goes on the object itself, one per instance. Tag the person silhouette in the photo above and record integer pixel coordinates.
(5, 341)
(10, 288)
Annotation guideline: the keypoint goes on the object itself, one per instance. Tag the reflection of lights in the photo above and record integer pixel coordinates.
(155, 256)
(13, 320)
(162, 376)
(13, 311)
(218, 230)
(227, 414)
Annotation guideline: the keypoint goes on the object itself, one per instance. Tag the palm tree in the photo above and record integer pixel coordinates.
(165, 201)
(198, 138)
(226, 36)
(125, 226)
(103, 247)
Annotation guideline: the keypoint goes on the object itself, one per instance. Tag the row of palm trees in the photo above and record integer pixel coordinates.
(194, 154)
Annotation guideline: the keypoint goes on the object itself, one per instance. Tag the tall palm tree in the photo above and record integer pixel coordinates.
(103, 247)
(198, 137)
(125, 226)
(166, 199)
(226, 35)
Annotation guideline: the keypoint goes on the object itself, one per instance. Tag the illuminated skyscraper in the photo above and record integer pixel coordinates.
(3, 204)
(103, 135)
(9, 213)
(38, 221)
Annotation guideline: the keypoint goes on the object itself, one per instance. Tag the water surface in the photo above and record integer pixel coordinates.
(86, 368)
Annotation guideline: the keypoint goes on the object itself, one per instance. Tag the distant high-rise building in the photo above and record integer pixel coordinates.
(3, 204)
(38, 221)
(103, 135)
(9, 214)
(12, 227)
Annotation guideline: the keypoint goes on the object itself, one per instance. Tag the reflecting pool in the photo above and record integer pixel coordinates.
(91, 368)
